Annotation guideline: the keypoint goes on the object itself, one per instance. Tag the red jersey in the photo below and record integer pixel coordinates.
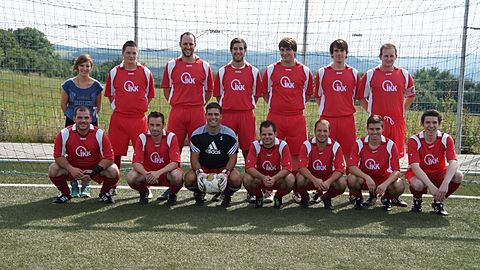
(432, 157)
(188, 82)
(238, 87)
(156, 156)
(336, 90)
(269, 161)
(385, 91)
(377, 163)
(289, 88)
(321, 163)
(83, 152)
(130, 90)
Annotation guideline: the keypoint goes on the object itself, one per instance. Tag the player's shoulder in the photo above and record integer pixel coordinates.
(200, 130)
(227, 131)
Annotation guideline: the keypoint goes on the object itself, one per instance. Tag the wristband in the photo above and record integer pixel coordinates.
(226, 171)
(198, 171)
(96, 171)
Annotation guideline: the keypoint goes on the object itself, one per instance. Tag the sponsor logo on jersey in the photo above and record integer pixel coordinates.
(237, 85)
(388, 86)
(186, 78)
(156, 158)
(338, 86)
(285, 82)
(268, 166)
(389, 120)
(130, 87)
(318, 165)
(372, 165)
(81, 151)
(430, 159)
(212, 149)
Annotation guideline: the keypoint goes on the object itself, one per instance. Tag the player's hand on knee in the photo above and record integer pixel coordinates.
(201, 178)
(76, 172)
(222, 181)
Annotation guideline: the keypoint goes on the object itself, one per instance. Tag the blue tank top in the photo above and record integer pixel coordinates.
(82, 97)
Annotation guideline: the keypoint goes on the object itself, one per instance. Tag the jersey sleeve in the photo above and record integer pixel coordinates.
(450, 150)
(232, 145)
(412, 152)
(309, 91)
(339, 162)
(174, 150)
(107, 148)
(354, 156)
(195, 144)
(99, 88)
(138, 153)
(410, 92)
(317, 83)
(209, 80)
(265, 82)
(57, 146)
(65, 87)
(251, 157)
(108, 86)
(361, 87)
(216, 86)
(303, 156)
(165, 78)
(395, 164)
(286, 160)
(259, 86)
(151, 86)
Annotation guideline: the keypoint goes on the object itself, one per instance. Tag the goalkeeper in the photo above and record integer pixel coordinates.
(213, 149)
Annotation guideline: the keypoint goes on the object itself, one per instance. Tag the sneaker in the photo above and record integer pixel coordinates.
(84, 191)
(417, 205)
(143, 197)
(217, 197)
(351, 199)
(316, 197)
(150, 194)
(62, 198)
(296, 197)
(327, 204)
(277, 202)
(304, 201)
(106, 197)
(258, 202)
(226, 201)
(358, 203)
(113, 191)
(75, 190)
(164, 195)
(252, 198)
(386, 204)
(172, 199)
(199, 199)
(438, 209)
(399, 202)
(371, 201)
(268, 196)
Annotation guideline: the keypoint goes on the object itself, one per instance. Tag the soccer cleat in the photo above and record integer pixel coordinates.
(351, 199)
(277, 202)
(258, 202)
(172, 199)
(296, 197)
(84, 191)
(399, 202)
(438, 209)
(304, 201)
(150, 194)
(226, 201)
(75, 190)
(327, 204)
(199, 199)
(358, 203)
(62, 198)
(316, 197)
(113, 191)
(165, 195)
(268, 196)
(143, 197)
(252, 198)
(371, 201)
(217, 197)
(106, 197)
(417, 205)
(386, 204)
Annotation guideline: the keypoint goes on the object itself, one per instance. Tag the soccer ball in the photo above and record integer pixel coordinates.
(213, 183)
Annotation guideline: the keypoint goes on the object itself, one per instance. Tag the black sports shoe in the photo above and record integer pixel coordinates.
(62, 198)
(399, 202)
(386, 204)
(172, 199)
(371, 201)
(417, 205)
(199, 199)
(304, 202)
(277, 202)
(327, 204)
(438, 209)
(164, 195)
(316, 198)
(106, 197)
(258, 202)
(226, 201)
(143, 197)
(216, 197)
(351, 199)
(358, 203)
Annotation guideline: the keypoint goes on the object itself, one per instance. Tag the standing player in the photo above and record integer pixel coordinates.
(268, 166)
(130, 88)
(321, 167)
(428, 154)
(213, 149)
(288, 86)
(83, 152)
(388, 91)
(156, 160)
(374, 166)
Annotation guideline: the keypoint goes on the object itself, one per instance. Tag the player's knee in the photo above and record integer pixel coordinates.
(416, 184)
(458, 177)
(300, 181)
(53, 170)
(352, 181)
(190, 178)
(290, 181)
(112, 171)
(341, 183)
(234, 179)
(131, 177)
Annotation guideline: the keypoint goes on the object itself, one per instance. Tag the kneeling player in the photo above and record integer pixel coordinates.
(428, 153)
(268, 166)
(374, 166)
(213, 149)
(321, 167)
(155, 161)
(83, 152)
